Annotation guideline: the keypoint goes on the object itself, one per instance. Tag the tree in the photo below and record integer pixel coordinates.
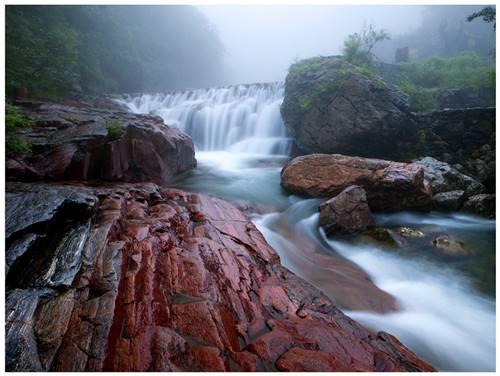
(358, 46)
(487, 13)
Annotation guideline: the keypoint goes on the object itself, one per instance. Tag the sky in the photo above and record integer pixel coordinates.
(262, 41)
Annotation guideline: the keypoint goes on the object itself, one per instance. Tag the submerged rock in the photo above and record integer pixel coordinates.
(409, 232)
(385, 236)
(451, 246)
(347, 212)
(80, 142)
(166, 281)
(389, 186)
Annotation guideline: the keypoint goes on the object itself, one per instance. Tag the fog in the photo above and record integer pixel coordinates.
(262, 41)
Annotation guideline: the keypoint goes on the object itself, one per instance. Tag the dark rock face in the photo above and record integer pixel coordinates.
(347, 212)
(460, 136)
(331, 106)
(72, 143)
(389, 186)
(451, 200)
(134, 278)
(481, 204)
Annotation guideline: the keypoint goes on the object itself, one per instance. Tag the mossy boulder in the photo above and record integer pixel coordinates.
(332, 106)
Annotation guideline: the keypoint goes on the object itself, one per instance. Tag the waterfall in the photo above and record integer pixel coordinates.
(238, 119)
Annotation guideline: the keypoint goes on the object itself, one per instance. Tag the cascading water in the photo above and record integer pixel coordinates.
(241, 146)
(238, 119)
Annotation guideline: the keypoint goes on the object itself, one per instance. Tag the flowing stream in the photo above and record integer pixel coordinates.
(446, 306)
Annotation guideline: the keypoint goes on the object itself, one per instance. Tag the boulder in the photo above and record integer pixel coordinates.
(347, 212)
(450, 201)
(332, 106)
(445, 178)
(164, 280)
(482, 204)
(389, 186)
(80, 142)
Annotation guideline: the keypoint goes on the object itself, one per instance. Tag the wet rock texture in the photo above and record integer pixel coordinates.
(347, 212)
(389, 186)
(135, 278)
(73, 141)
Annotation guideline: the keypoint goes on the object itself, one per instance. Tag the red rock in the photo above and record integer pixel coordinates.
(192, 295)
(389, 186)
(71, 142)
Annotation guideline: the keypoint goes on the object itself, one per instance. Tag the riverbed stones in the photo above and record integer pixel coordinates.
(348, 212)
(389, 186)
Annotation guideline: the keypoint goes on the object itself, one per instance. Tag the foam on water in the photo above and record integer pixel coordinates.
(240, 119)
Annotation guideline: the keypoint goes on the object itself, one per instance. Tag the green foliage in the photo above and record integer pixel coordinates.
(56, 50)
(305, 103)
(303, 66)
(358, 46)
(422, 100)
(135, 141)
(465, 70)
(115, 130)
(14, 120)
(488, 14)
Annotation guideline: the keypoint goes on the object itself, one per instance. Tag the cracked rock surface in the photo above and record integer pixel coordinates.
(133, 277)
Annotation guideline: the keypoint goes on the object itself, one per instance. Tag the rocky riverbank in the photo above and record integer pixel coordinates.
(131, 277)
(105, 273)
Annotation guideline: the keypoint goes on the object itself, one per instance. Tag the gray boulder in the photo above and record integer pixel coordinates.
(451, 200)
(332, 106)
(445, 178)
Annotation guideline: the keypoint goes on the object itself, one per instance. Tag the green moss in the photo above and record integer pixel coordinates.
(115, 130)
(14, 121)
(421, 99)
(135, 141)
(305, 103)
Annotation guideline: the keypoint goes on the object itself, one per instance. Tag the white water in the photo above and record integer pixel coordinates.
(440, 317)
(239, 119)
(239, 135)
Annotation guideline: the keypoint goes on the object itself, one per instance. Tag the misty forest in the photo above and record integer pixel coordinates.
(250, 188)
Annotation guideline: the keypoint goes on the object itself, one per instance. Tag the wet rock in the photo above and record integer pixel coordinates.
(385, 236)
(332, 106)
(451, 246)
(187, 295)
(409, 232)
(482, 204)
(389, 186)
(451, 201)
(347, 212)
(72, 142)
(445, 178)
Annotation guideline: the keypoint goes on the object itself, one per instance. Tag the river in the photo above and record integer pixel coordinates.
(446, 306)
